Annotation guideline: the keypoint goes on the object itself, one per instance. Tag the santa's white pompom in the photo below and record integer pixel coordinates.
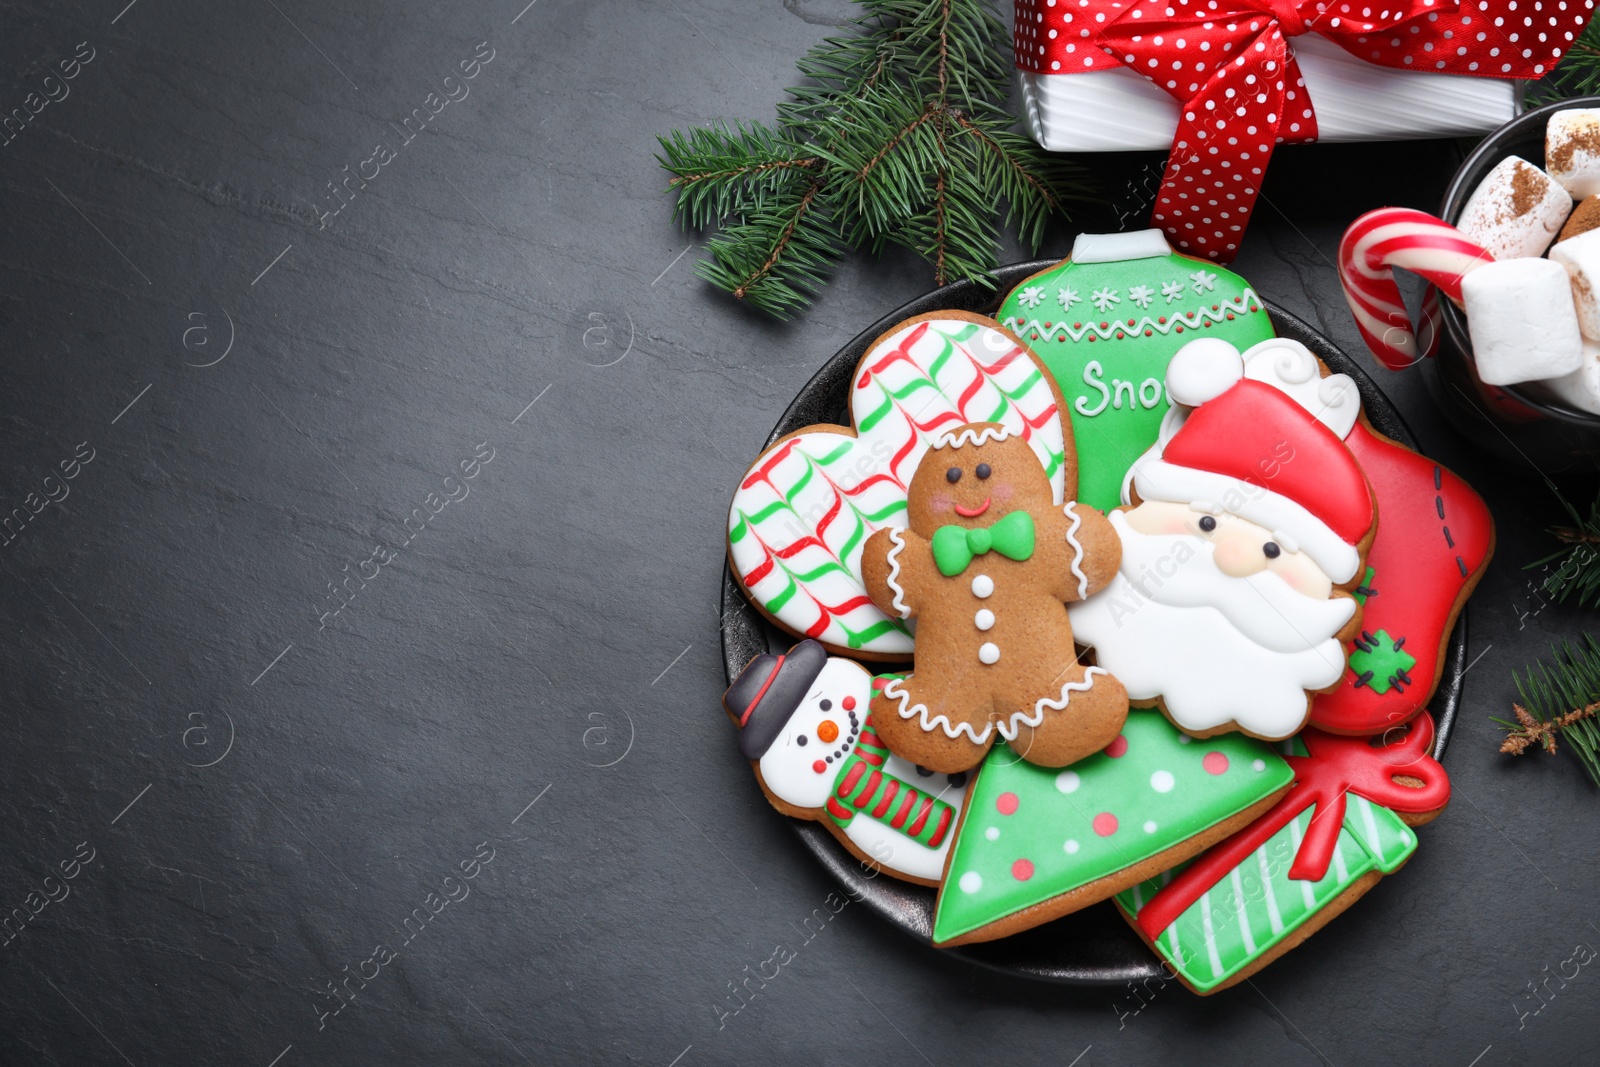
(1203, 370)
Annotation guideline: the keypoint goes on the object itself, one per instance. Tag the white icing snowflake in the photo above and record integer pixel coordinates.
(1105, 298)
(1142, 295)
(1172, 291)
(1031, 296)
(1067, 297)
(1203, 281)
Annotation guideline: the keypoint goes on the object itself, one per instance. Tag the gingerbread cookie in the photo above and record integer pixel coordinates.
(804, 725)
(1106, 322)
(1246, 528)
(1343, 826)
(986, 564)
(1035, 844)
(806, 507)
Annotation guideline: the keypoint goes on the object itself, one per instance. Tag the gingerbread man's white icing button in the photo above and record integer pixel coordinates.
(984, 619)
(989, 652)
(982, 586)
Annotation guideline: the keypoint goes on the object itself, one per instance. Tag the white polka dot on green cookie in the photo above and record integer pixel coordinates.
(1068, 781)
(1162, 781)
(992, 833)
(971, 882)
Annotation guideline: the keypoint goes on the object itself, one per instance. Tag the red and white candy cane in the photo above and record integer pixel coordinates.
(1393, 237)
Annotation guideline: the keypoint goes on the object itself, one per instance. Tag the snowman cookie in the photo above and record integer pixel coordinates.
(804, 725)
(986, 567)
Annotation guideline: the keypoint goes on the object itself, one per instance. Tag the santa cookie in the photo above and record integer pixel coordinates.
(804, 726)
(986, 568)
(1245, 531)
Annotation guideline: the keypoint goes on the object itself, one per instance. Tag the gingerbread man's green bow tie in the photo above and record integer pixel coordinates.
(954, 546)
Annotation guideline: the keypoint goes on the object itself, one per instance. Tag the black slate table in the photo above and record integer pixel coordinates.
(364, 674)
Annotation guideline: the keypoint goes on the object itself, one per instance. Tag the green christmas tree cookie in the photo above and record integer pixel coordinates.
(1257, 912)
(1106, 322)
(1035, 844)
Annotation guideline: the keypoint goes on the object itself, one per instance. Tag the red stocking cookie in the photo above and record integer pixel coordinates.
(986, 568)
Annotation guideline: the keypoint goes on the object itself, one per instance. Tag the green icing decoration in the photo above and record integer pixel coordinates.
(1258, 905)
(1364, 590)
(1380, 661)
(1031, 833)
(954, 546)
(1106, 332)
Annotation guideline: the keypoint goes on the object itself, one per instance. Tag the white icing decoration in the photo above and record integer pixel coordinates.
(1119, 247)
(1203, 370)
(1066, 297)
(1258, 765)
(1031, 296)
(971, 882)
(1008, 726)
(969, 436)
(1105, 299)
(1243, 304)
(1289, 367)
(1162, 781)
(1068, 781)
(992, 833)
(1172, 291)
(1217, 650)
(1204, 281)
(1142, 295)
(1285, 541)
(897, 537)
(989, 653)
(1150, 826)
(907, 405)
(984, 619)
(1069, 846)
(786, 767)
(1077, 550)
(982, 586)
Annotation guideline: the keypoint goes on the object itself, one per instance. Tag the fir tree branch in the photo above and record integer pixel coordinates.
(1560, 698)
(782, 243)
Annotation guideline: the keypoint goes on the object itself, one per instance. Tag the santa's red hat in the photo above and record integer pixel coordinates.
(1250, 450)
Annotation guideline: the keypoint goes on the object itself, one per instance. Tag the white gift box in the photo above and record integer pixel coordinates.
(1120, 110)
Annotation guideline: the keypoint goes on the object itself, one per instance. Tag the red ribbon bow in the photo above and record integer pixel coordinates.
(1229, 65)
(1335, 766)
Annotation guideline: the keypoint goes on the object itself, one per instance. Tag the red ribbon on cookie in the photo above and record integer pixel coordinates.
(1230, 67)
(1335, 765)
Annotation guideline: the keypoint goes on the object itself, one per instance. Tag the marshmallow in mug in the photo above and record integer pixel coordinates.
(1522, 321)
(1581, 257)
(1572, 150)
(1516, 211)
(1581, 388)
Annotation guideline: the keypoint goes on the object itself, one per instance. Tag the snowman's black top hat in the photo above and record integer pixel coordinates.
(768, 691)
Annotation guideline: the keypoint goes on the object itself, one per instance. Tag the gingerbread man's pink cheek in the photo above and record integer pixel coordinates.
(942, 503)
(1002, 492)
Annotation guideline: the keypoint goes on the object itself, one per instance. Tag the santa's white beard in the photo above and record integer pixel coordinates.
(1216, 649)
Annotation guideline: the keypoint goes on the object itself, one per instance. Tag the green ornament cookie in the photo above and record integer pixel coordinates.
(1106, 322)
(1035, 844)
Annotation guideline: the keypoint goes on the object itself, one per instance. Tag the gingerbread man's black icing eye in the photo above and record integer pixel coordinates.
(1271, 549)
(983, 470)
(1207, 523)
(953, 475)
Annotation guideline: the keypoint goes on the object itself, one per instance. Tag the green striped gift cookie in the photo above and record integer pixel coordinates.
(1257, 912)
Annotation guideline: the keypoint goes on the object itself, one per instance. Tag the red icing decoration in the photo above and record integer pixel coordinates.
(1231, 435)
(1022, 870)
(1420, 564)
(1336, 765)
(1105, 824)
(1117, 748)
(1007, 803)
(819, 766)
(848, 703)
(1215, 763)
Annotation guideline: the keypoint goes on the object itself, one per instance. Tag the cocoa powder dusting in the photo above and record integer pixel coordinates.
(1527, 189)
(1584, 217)
(1559, 153)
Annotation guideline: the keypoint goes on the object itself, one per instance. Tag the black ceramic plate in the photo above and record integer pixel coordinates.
(1094, 946)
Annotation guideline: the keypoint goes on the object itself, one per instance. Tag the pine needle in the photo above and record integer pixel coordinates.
(1579, 572)
(899, 136)
(1562, 699)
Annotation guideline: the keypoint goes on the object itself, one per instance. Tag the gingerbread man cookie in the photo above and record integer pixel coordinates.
(986, 568)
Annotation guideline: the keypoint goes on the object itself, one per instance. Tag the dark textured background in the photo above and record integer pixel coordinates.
(562, 616)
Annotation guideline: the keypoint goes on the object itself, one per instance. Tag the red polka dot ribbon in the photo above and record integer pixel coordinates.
(1229, 65)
